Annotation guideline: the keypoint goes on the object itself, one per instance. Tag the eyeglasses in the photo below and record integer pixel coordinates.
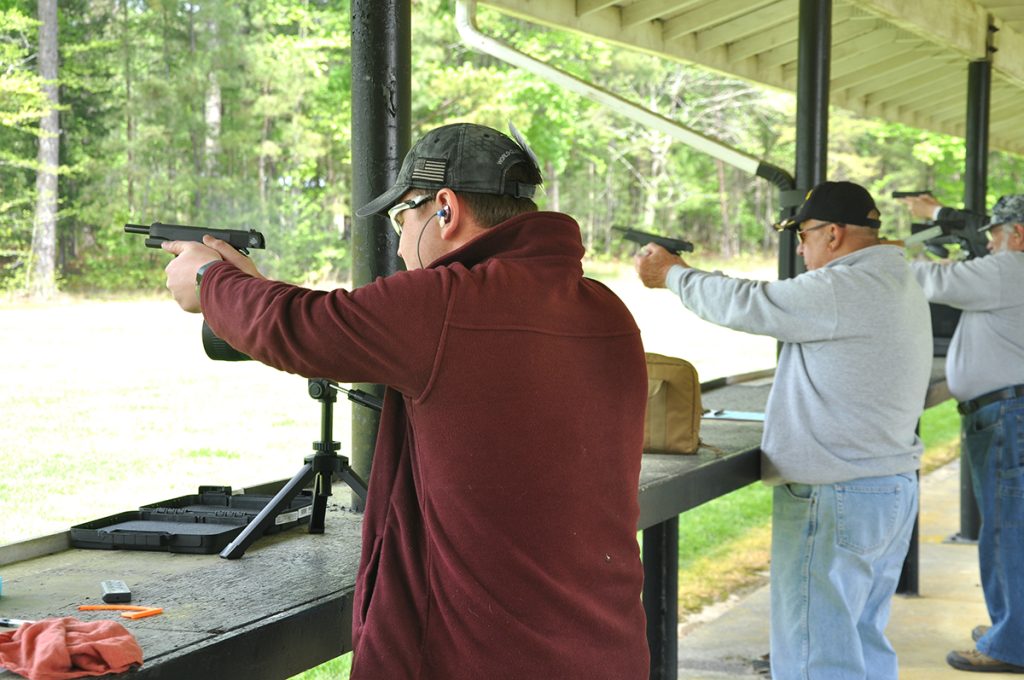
(801, 233)
(1004, 229)
(394, 213)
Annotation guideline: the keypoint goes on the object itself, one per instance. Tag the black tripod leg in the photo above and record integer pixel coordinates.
(268, 514)
(316, 520)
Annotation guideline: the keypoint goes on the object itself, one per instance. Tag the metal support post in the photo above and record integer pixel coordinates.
(814, 59)
(979, 97)
(381, 93)
(910, 582)
(661, 597)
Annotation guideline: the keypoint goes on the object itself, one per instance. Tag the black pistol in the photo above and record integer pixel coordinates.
(158, 232)
(672, 245)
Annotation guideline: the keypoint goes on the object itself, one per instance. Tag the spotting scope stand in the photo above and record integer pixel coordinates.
(319, 470)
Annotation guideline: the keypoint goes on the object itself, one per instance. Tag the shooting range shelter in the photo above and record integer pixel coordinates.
(948, 66)
(937, 64)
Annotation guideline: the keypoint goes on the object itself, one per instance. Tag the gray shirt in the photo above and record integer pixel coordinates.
(854, 367)
(987, 350)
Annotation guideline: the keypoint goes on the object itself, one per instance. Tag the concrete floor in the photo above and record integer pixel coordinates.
(923, 628)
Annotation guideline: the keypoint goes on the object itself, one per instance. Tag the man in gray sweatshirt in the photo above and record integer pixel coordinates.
(985, 373)
(839, 444)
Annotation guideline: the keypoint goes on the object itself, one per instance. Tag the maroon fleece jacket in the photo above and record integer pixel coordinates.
(499, 539)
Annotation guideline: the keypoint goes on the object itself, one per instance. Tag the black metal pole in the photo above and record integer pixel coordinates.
(661, 597)
(814, 61)
(979, 99)
(381, 92)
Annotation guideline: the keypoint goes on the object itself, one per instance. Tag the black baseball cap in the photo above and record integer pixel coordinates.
(840, 202)
(463, 157)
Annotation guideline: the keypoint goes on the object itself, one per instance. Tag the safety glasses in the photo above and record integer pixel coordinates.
(395, 212)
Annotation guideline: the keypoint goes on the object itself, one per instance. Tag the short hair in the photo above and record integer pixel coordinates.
(493, 209)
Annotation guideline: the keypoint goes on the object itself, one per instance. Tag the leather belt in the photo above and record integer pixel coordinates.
(971, 405)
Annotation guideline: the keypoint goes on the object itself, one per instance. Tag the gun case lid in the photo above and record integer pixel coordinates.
(198, 523)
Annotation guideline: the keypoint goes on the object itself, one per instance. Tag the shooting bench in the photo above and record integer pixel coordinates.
(287, 604)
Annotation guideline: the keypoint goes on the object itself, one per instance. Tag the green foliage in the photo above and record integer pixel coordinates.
(238, 115)
(232, 115)
(21, 106)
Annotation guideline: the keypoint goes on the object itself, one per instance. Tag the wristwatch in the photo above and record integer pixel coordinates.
(199, 274)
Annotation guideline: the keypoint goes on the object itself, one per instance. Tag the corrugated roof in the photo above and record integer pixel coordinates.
(900, 60)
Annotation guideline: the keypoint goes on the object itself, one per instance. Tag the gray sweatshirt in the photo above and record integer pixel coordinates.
(987, 350)
(854, 368)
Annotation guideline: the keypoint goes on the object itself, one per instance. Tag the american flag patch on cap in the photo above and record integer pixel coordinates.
(429, 170)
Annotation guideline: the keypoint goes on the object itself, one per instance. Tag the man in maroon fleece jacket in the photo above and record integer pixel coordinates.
(499, 538)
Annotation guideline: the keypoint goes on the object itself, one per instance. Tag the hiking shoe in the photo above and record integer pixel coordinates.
(978, 632)
(762, 666)
(975, 661)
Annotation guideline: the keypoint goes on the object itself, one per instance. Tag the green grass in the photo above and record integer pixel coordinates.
(335, 669)
(210, 453)
(109, 405)
(940, 431)
(723, 520)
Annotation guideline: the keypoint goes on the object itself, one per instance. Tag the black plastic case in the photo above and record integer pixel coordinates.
(200, 523)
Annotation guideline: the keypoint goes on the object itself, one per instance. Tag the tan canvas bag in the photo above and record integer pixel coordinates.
(673, 406)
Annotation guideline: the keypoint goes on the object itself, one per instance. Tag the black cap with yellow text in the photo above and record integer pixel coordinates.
(839, 202)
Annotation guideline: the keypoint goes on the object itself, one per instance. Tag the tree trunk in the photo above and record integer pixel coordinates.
(42, 271)
(213, 121)
(264, 160)
(128, 107)
(725, 235)
(198, 144)
(591, 203)
(554, 200)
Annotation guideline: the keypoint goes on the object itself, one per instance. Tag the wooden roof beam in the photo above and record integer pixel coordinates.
(958, 24)
(946, 110)
(649, 10)
(876, 72)
(1008, 59)
(749, 24)
(849, 55)
(924, 88)
(585, 7)
(711, 14)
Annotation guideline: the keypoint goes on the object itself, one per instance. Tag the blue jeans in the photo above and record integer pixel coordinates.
(993, 438)
(837, 553)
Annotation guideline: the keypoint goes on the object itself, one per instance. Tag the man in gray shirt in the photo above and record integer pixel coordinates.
(839, 443)
(985, 373)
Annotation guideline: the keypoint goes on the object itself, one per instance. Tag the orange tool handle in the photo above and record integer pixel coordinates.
(133, 611)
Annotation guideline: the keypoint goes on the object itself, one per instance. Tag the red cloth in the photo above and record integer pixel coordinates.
(58, 649)
(499, 539)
